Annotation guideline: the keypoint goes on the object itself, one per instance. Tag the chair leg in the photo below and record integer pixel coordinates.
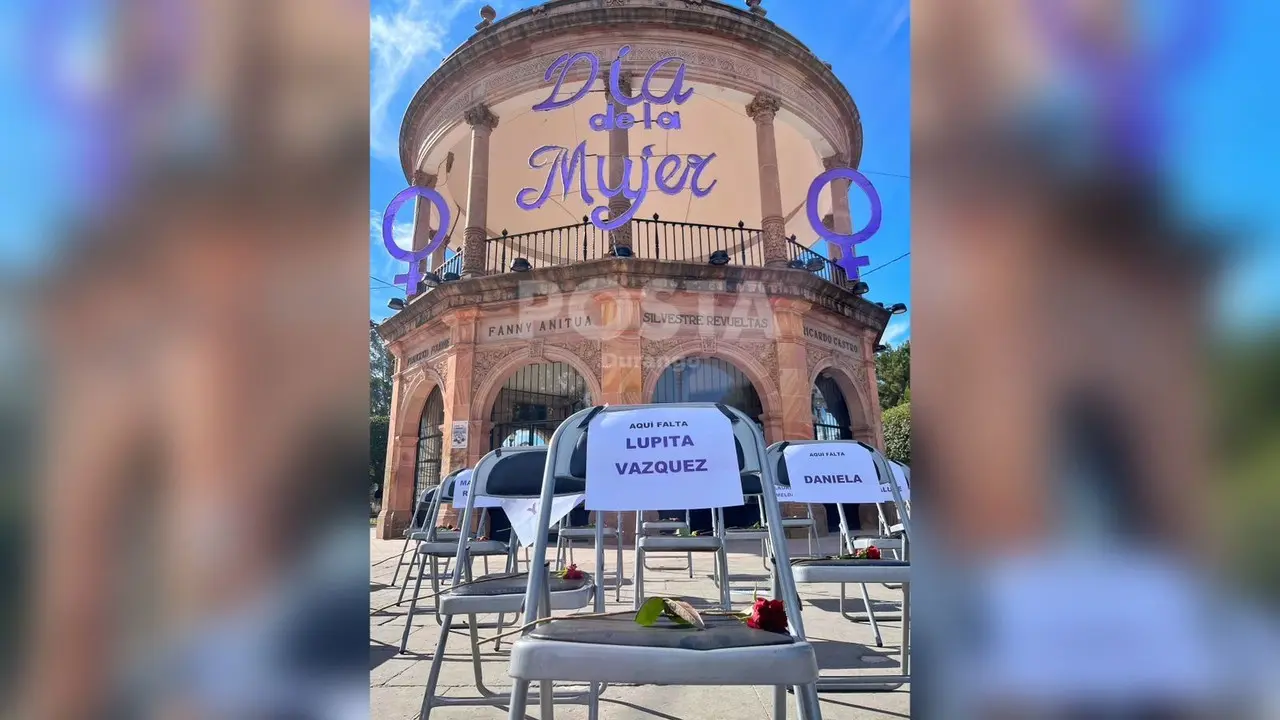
(435, 587)
(405, 585)
(400, 562)
(779, 702)
(519, 699)
(547, 700)
(690, 560)
(617, 590)
(593, 702)
(413, 604)
(807, 702)
(723, 556)
(639, 591)
(871, 615)
(433, 677)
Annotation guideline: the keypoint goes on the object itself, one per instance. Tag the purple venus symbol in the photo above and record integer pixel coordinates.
(849, 259)
(414, 276)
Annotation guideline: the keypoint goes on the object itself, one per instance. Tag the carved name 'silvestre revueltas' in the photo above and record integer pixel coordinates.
(671, 174)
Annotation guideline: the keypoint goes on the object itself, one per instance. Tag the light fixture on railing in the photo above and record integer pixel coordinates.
(798, 264)
(882, 348)
(520, 265)
(814, 264)
(897, 308)
(430, 280)
(719, 257)
(622, 251)
(450, 277)
(860, 288)
(396, 304)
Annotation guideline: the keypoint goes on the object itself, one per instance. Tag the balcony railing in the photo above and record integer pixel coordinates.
(828, 271)
(654, 239)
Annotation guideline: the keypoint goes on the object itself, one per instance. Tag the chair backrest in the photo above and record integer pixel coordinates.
(516, 472)
(567, 452)
(888, 485)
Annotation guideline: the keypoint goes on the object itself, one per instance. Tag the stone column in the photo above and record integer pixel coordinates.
(457, 394)
(622, 371)
(402, 456)
(763, 109)
(422, 230)
(619, 148)
(841, 221)
(482, 122)
(794, 386)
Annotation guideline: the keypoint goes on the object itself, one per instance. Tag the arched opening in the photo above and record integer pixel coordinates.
(831, 421)
(430, 443)
(529, 407)
(702, 379)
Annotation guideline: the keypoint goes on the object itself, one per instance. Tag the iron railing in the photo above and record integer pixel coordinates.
(829, 270)
(544, 248)
(452, 265)
(659, 239)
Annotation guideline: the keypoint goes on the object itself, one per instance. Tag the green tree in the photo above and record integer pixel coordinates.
(897, 433)
(381, 368)
(893, 376)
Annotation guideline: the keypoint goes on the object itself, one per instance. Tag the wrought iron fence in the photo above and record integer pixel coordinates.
(543, 248)
(452, 265)
(817, 264)
(659, 239)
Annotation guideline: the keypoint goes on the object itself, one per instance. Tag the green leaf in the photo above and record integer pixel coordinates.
(650, 611)
(684, 611)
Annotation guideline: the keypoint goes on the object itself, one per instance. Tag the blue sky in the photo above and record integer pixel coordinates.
(866, 41)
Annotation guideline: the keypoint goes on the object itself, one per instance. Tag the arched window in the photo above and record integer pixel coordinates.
(830, 412)
(831, 422)
(430, 443)
(534, 401)
(698, 379)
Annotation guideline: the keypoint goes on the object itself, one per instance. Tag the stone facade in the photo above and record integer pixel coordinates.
(620, 324)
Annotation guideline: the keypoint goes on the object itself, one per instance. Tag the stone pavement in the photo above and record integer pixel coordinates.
(397, 681)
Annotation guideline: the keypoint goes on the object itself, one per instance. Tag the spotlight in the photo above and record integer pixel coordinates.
(719, 257)
(430, 280)
(622, 251)
(450, 277)
(881, 306)
(814, 264)
(797, 264)
(882, 348)
(860, 288)
(897, 308)
(395, 304)
(521, 265)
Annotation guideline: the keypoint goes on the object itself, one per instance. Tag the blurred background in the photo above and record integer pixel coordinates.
(1095, 321)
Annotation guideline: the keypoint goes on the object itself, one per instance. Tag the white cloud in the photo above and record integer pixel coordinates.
(400, 43)
(382, 264)
(897, 331)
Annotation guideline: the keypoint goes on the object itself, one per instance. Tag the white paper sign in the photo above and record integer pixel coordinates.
(833, 473)
(462, 487)
(459, 435)
(522, 513)
(784, 493)
(662, 458)
(901, 474)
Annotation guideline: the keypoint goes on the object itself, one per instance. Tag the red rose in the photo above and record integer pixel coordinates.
(768, 615)
(571, 573)
(873, 553)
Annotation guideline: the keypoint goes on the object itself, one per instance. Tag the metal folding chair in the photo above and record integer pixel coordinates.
(657, 527)
(415, 531)
(858, 571)
(509, 472)
(617, 650)
(435, 546)
(567, 534)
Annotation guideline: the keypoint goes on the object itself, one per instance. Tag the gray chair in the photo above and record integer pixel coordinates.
(658, 527)
(616, 650)
(415, 531)
(437, 545)
(762, 533)
(858, 571)
(509, 472)
(567, 535)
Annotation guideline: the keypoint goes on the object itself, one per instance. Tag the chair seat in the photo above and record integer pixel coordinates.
(831, 570)
(664, 525)
(447, 535)
(746, 534)
(797, 522)
(449, 549)
(620, 651)
(419, 534)
(586, 533)
(700, 543)
(503, 592)
(882, 543)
